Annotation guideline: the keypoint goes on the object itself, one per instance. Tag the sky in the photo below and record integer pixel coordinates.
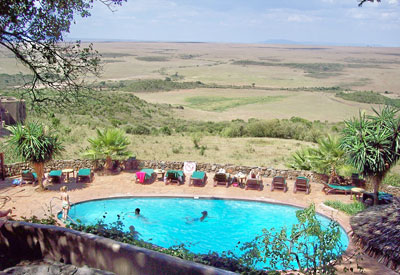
(323, 22)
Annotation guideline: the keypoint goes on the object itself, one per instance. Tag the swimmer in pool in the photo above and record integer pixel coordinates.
(204, 214)
(138, 215)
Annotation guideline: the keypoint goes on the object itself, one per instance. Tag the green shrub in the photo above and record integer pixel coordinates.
(165, 130)
(141, 130)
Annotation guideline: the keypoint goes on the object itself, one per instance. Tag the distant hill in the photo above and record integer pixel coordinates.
(309, 43)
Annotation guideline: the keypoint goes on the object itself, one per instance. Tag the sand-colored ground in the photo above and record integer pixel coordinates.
(26, 201)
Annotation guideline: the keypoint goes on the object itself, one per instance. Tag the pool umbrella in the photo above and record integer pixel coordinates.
(377, 231)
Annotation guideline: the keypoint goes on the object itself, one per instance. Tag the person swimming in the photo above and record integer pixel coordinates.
(138, 215)
(204, 214)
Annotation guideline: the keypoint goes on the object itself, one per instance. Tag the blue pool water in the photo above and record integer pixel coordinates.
(165, 223)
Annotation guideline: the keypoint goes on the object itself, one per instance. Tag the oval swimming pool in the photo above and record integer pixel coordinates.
(172, 221)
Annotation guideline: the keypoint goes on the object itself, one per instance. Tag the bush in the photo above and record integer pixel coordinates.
(141, 130)
(165, 130)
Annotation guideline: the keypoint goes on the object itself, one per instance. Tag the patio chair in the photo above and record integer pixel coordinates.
(145, 175)
(29, 177)
(175, 176)
(254, 183)
(198, 178)
(221, 179)
(55, 176)
(337, 189)
(279, 182)
(302, 184)
(383, 198)
(84, 174)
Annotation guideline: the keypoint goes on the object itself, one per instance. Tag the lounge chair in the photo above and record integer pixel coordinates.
(198, 178)
(175, 176)
(302, 184)
(221, 179)
(84, 173)
(337, 189)
(383, 198)
(145, 175)
(254, 183)
(279, 182)
(55, 176)
(29, 177)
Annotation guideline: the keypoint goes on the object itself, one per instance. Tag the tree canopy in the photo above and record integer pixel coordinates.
(34, 31)
(372, 143)
(108, 143)
(35, 145)
(363, 1)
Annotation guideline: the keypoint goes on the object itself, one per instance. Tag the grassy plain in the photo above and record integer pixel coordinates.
(242, 81)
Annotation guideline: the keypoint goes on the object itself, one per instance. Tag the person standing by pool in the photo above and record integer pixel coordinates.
(66, 206)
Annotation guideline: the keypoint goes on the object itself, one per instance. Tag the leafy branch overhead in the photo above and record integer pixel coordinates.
(34, 32)
(363, 1)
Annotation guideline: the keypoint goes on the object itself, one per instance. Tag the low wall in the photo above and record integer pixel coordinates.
(15, 169)
(23, 240)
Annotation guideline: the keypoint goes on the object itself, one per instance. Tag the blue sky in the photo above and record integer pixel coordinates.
(245, 21)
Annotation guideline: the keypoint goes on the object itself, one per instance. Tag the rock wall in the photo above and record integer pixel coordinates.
(15, 169)
(233, 169)
(83, 249)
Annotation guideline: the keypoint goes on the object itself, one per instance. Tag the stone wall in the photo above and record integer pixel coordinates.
(14, 169)
(233, 169)
(68, 246)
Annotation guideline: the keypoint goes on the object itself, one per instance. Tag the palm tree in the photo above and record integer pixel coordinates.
(34, 145)
(328, 156)
(373, 144)
(108, 144)
(301, 159)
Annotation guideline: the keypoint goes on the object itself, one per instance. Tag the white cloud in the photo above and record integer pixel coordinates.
(299, 18)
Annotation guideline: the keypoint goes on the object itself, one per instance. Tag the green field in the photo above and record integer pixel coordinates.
(234, 97)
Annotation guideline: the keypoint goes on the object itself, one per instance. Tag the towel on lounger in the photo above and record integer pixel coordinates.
(141, 176)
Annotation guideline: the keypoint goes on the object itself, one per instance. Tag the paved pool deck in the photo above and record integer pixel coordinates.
(27, 201)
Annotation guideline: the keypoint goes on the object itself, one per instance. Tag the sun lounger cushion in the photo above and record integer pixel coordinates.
(340, 187)
(176, 173)
(85, 172)
(55, 173)
(33, 173)
(198, 175)
(148, 173)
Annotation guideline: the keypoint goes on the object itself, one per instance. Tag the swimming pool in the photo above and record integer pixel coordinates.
(169, 221)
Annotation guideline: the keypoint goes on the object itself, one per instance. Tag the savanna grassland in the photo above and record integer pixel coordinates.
(225, 103)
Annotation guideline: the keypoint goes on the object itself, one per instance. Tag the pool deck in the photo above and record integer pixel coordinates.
(27, 201)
